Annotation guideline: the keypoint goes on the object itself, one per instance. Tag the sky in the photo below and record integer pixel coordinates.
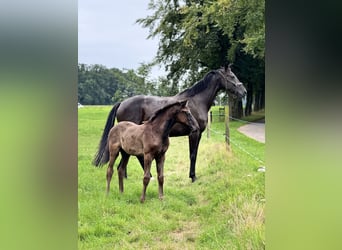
(108, 34)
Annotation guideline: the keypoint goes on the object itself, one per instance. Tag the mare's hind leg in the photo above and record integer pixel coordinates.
(122, 169)
(160, 170)
(125, 174)
(141, 161)
(112, 157)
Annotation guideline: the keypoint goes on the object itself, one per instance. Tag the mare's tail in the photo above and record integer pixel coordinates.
(102, 155)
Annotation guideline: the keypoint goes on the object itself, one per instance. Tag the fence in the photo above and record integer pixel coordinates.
(222, 114)
(217, 115)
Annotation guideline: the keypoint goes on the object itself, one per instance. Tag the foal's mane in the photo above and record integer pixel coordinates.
(160, 111)
(200, 85)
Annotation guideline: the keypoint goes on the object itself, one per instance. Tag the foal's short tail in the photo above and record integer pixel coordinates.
(102, 155)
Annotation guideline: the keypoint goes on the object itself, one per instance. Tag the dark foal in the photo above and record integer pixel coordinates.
(149, 141)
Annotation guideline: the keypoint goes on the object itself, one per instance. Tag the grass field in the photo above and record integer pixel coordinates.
(223, 209)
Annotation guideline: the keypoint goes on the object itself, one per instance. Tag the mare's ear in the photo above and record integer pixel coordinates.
(227, 68)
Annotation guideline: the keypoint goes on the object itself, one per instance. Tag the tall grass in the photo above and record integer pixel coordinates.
(223, 209)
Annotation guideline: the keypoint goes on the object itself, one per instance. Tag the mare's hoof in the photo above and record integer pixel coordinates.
(193, 179)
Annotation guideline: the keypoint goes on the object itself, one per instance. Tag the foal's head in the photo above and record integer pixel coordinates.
(175, 112)
(231, 83)
(185, 117)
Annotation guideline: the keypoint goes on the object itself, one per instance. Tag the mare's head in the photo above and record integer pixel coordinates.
(231, 83)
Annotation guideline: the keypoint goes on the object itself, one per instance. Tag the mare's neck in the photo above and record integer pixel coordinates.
(207, 95)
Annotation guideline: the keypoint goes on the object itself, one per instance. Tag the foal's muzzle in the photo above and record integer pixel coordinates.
(194, 130)
(194, 127)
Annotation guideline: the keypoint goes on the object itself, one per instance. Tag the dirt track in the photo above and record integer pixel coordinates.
(254, 130)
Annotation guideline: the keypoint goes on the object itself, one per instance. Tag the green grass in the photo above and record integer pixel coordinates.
(223, 209)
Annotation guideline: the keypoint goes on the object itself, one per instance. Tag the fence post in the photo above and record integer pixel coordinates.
(221, 114)
(208, 125)
(226, 115)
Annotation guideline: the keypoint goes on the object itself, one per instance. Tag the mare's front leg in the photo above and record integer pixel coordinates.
(122, 169)
(160, 170)
(112, 157)
(147, 175)
(194, 139)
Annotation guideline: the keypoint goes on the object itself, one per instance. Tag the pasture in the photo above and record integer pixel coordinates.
(223, 209)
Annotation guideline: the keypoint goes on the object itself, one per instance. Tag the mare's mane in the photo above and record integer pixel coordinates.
(199, 86)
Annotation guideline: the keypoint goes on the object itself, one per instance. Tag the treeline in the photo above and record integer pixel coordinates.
(99, 85)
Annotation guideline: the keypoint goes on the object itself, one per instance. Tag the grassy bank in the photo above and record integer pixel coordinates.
(223, 209)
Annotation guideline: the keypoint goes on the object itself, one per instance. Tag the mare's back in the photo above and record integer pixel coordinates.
(140, 108)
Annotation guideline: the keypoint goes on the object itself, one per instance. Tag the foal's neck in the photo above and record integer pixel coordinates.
(163, 123)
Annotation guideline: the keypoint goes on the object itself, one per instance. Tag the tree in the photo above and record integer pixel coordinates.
(199, 35)
(98, 85)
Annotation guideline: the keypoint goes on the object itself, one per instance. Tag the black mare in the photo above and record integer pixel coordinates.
(200, 98)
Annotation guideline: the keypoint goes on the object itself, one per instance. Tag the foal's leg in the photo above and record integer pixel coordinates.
(194, 140)
(112, 157)
(160, 170)
(147, 175)
(141, 160)
(122, 169)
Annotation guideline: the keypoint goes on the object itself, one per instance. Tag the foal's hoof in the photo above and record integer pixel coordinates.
(193, 178)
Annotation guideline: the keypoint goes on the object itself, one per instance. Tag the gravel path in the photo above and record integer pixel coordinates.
(254, 130)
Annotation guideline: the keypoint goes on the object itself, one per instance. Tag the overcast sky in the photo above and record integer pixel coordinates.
(108, 34)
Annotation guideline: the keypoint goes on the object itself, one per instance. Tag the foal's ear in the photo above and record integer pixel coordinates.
(184, 103)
